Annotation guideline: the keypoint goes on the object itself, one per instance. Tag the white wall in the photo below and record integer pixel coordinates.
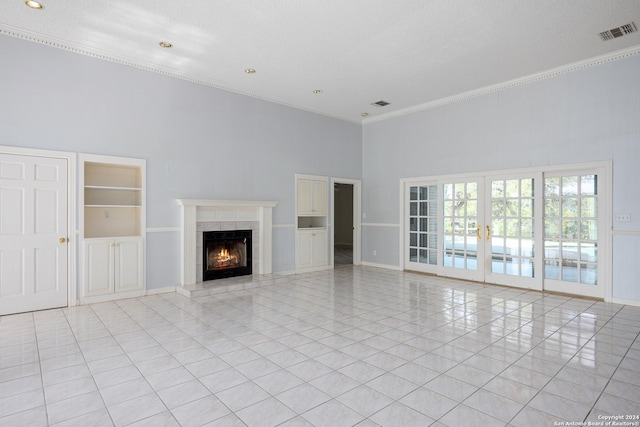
(583, 116)
(199, 142)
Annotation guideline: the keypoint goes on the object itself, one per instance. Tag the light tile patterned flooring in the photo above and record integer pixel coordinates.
(352, 346)
(342, 254)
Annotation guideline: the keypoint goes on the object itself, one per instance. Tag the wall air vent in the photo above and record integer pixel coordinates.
(614, 33)
(380, 103)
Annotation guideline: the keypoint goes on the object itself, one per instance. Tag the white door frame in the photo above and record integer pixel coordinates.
(71, 209)
(606, 211)
(357, 222)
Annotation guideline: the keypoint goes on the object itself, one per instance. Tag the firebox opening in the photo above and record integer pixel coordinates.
(226, 254)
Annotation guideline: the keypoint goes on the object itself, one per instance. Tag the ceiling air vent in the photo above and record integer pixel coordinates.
(380, 103)
(614, 33)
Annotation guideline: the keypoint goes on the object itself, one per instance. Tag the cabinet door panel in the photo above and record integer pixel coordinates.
(305, 249)
(305, 197)
(98, 278)
(319, 248)
(128, 265)
(319, 197)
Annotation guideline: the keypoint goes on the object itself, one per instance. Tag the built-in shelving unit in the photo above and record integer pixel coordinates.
(113, 227)
(113, 200)
(311, 222)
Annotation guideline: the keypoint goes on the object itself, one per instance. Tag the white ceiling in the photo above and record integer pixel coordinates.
(411, 53)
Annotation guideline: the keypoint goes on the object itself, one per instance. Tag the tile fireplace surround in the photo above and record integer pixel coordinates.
(200, 215)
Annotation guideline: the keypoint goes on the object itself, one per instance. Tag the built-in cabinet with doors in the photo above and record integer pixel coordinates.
(311, 222)
(113, 227)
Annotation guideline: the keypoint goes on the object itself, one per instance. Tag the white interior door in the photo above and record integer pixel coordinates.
(33, 233)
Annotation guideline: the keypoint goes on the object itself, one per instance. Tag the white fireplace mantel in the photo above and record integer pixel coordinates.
(201, 210)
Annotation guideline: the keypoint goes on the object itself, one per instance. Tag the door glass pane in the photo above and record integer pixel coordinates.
(588, 207)
(571, 228)
(552, 208)
(569, 186)
(589, 229)
(413, 208)
(589, 273)
(460, 222)
(526, 268)
(512, 227)
(588, 185)
(423, 236)
(552, 187)
(551, 269)
(413, 193)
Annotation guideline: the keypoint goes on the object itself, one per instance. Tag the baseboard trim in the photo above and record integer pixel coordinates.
(157, 291)
(624, 301)
(285, 273)
(385, 266)
(111, 297)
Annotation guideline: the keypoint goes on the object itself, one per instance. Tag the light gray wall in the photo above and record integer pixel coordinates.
(583, 116)
(199, 142)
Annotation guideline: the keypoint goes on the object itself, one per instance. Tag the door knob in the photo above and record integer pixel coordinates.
(62, 240)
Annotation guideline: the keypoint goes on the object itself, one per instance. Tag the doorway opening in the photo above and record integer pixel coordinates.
(343, 229)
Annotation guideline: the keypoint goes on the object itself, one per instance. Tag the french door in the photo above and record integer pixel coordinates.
(462, 250)
(574, 232)
(529, 230)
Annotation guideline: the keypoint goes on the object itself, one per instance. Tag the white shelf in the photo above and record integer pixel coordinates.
(113, 197)
(115, 175)
(306, 222)
(112, 206)
(104, 187)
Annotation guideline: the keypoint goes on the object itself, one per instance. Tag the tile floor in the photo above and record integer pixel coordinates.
(353, 346)
(342, 254)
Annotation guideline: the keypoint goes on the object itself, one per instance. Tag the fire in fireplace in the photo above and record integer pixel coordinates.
(226, 254)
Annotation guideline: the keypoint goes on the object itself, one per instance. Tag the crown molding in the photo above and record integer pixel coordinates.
(23, 34)
(565, 69)
(20, 33)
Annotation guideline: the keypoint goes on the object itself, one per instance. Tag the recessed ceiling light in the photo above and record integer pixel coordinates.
(166, 45)
(34, 4)
(250, 71)
(318, 91)
(365, 114)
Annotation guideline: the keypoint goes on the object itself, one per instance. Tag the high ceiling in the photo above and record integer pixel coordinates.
(410, 53)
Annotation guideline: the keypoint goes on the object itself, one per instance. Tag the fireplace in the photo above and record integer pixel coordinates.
(226, 254)
(199, 215)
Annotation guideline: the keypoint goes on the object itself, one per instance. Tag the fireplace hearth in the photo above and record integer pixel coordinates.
(226, 254)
